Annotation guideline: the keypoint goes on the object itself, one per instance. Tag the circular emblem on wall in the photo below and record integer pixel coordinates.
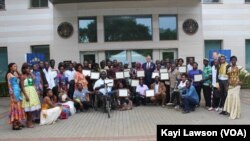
(190, 26)
(65, 30)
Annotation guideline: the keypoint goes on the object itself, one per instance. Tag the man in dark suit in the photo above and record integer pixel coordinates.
(149, 68)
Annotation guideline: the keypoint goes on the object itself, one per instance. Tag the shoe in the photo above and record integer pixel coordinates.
(170, 104)
(185, 111)
(177, 107)
(210, 109)
(193, 109)
(217, 109)
(223, 113)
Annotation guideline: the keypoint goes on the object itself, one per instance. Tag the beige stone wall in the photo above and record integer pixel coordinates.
(21, 27)
(230, 23)
(186, 44)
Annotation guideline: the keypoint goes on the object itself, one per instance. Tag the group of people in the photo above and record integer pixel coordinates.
(43, 93)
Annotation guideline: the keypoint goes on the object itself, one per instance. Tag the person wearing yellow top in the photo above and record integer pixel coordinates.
(223, 81)
(232, 103)
(50, 112)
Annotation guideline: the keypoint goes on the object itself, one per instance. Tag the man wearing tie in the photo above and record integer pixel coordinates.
(149, 68)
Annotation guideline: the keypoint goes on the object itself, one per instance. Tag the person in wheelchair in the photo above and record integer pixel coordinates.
(102, 90)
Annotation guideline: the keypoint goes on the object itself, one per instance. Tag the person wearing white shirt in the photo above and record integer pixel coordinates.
(215, 87)
(70, 73)
(49, 76)
(141, 93)
(177, 91)
(102, 90)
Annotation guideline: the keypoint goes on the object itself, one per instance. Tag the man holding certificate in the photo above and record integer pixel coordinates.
(102, 89)
(196, 76)
(141, 93)
(160, 92)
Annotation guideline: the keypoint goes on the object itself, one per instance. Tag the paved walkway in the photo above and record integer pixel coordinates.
(138, 124)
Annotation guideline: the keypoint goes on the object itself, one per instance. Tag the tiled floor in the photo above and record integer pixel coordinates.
(138, 124)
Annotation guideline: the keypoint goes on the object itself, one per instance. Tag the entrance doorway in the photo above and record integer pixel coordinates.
(88, 56)
(170, 55)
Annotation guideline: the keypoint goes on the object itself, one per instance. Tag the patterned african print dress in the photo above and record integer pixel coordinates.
(232, 103)
(34, 103)
(16, 110)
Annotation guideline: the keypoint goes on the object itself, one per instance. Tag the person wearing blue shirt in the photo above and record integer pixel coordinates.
(197, 85)
(189, 98)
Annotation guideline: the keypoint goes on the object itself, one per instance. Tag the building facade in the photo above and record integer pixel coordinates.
(123, 30)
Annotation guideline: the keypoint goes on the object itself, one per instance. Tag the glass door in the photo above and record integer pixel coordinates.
(89, 56)
(170, 55)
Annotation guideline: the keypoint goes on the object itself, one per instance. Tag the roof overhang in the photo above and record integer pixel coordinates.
(78, 1)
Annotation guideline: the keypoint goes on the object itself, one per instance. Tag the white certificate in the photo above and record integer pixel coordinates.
(126, 74)
(86, 72)
(119, 75)
(95, 75)
(134, 83)
(163, 70)
(197, 77)
(154, 74)
(103, 70)
(164, 76)
(123, 92)
(54, 73)
(109, 82)
(150, 93)
(183, 69)
(140, 73)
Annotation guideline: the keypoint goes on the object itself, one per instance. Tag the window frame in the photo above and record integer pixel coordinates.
(5, 47)
(4, 6)
(32, 49)
(78, 28)
(137, 15)
(177, 30)
(219, 2)
(39, 7)
(247, 41)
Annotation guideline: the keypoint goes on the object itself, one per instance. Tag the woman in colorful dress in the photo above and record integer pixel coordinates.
(50, 112)
(79, 77)
(232, 103)
(16, 111)
(38, 83)
(31, 102)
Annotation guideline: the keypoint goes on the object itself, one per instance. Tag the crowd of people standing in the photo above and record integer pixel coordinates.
(43, 93)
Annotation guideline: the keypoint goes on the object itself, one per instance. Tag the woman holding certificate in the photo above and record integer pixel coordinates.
(123, 95)
(79, 77)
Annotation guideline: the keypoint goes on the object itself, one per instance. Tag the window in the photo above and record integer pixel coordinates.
(4, 63)
(247, 55)
(212, 45)
(2, 4)
(128, 28)
(42, 49)
(140, 55)
(39, 3)
(168, 27)
(119, 55)
(247, 1)
(211, 1)
(87, 30)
